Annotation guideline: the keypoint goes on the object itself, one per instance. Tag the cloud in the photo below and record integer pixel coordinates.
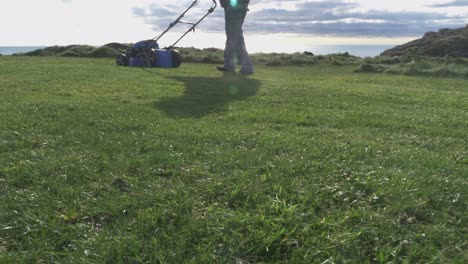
(456, 3)
(325, 18)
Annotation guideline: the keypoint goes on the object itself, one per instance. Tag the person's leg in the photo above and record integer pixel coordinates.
(245, 61)
(230, 48)
(235, 48)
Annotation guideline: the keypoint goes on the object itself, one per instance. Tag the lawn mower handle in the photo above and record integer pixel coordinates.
(214, 4)
(171, 25)
(192, 28)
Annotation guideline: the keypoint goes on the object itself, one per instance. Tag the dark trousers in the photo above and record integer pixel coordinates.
(235, 46)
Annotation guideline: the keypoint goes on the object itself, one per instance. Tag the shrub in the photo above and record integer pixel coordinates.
(70, 53)
(117, 46)
(444, 72)
(418, 65)
(104, 52)
(212, 58)
(76, 51)
(459, 60)
(369, 67)
(49, 51)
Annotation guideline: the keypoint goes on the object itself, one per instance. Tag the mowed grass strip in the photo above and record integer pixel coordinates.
(316, 164)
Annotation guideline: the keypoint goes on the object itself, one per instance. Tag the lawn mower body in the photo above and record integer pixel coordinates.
(146, 53)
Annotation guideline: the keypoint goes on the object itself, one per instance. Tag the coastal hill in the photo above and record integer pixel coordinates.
(445, 42)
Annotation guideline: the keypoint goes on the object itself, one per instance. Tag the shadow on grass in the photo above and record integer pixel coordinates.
(207, 95)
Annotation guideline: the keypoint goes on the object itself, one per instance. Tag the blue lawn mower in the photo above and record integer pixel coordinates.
(146, 53)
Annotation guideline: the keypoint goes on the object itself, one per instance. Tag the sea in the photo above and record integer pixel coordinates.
(18, 49)
(357, 50)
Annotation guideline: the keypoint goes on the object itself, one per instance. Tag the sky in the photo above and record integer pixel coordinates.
(281, 25)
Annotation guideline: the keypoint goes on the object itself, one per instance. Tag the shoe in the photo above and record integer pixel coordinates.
(222, 69)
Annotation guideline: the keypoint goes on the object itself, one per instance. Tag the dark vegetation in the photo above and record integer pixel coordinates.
(417, 65)
(208, 55)
(108, 50)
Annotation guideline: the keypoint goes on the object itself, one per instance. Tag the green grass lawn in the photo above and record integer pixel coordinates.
(317, 164)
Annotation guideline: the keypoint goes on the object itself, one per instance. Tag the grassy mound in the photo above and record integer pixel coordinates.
(417, 65)
(109, 50)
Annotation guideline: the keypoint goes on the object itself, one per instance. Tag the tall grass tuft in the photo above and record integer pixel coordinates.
(417, 66)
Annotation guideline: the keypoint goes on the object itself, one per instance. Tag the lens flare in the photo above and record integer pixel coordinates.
(235, 57)
(233, 89)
